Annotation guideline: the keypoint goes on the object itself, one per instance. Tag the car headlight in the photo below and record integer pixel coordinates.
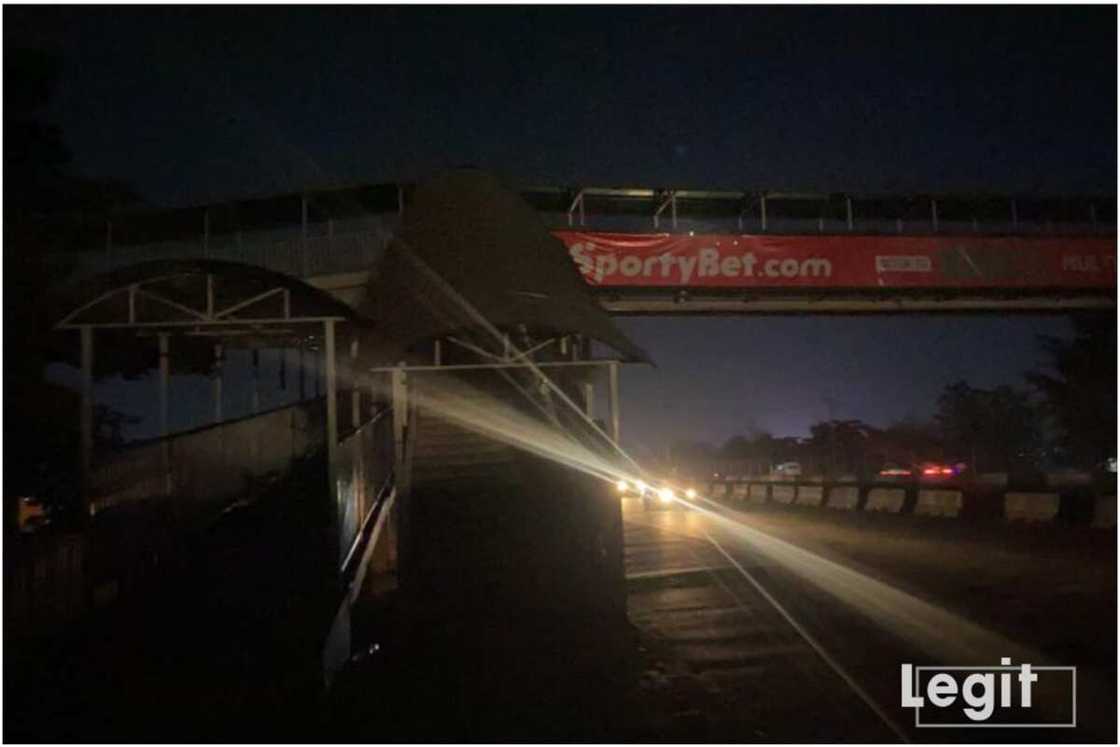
(622, 486)
(642, 487)
(690, 493)
(666, 495)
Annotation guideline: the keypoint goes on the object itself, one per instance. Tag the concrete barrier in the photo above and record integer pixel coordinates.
(846, 497)
(890, 500)
(1031, 506)
(783, 493)
(719, 490)
(809, 495)
(1104, 512)
(945, 503)
(740, 491)
(758, 494)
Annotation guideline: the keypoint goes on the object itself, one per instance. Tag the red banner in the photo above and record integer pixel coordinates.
(750, 261)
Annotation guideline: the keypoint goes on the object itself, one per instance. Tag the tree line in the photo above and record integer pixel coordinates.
(1063, 415)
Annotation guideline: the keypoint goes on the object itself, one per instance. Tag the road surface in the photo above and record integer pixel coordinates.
(787, 624)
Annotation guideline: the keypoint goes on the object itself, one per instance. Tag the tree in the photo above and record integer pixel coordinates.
(44, 204)
(1079, 388)
(994, 429)
(908, 441)
(842, 445)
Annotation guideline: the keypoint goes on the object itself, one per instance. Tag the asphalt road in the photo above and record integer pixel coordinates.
(780, 624)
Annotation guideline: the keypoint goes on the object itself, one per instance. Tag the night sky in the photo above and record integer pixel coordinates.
(198, 104)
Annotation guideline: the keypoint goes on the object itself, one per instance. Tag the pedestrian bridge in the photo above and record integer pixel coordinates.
(306, 280)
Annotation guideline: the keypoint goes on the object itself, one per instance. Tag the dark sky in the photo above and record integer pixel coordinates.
(196, 104)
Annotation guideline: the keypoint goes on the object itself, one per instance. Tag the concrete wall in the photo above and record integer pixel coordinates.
(1031, 506)
(890, 500)
(783, 493)
(946, 503)
(844, 497)
(758, 494)
(809, 495)
(1104, 512)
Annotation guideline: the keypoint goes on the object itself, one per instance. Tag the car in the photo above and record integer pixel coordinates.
(892, 470)
(937, 471)
(655, 497)
(787, 470)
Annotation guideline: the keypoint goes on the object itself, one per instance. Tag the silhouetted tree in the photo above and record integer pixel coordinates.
(843, 446)
(994, 429)
(1079, 388)
(46, 203)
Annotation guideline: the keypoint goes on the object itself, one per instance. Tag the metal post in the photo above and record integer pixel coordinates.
(589, 399)
(216, 382)
(401, 483)
(303, 235)
(164, 407)
(255, 402)
(316, 374)
(302, 374)
(209, 295)
(763, 203)
(933, 213)
(613, 403)
(355, 392)
(673, 208)
(851, 221)
(85, 417)
(332, 427)
(437, 353)
(164, 383)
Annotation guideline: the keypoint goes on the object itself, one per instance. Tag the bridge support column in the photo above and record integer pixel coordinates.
(85, 417)
(612, 394)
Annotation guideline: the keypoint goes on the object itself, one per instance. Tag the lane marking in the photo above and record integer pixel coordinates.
(674, 571)
(816, 646)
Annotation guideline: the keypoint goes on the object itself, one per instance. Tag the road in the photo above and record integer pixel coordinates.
(778, 624)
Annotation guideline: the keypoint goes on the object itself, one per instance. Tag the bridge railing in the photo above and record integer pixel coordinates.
(284, 251)
(364, 476)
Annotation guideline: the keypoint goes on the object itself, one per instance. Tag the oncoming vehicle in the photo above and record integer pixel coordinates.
(661, 496)
(788, 470)
(937, 471)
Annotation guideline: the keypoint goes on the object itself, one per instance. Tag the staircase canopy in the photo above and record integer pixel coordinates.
(486, 243)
